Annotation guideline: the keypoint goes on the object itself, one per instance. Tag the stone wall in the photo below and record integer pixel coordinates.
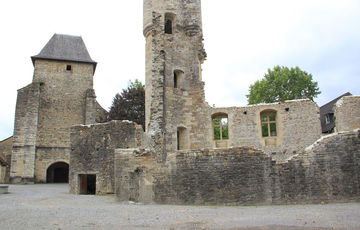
(25, 133)
(5, 155)
(327, 172)
(347, 113)
(297, 124)
(92, 151)
(46, 109)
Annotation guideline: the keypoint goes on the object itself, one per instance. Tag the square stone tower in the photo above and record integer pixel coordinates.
(61, 95)
(175, 101)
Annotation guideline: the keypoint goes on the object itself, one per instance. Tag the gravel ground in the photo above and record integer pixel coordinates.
(50, 206)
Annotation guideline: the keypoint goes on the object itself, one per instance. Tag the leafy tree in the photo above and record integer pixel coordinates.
(282, 84)
(130, 104)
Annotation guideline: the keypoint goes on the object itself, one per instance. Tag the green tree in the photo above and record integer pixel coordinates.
(130, 104)
(282, 84)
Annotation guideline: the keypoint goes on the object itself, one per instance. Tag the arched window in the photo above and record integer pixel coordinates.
(169, 20)
(181, 138)
(178, 78)
(220, 126)
(268, 123)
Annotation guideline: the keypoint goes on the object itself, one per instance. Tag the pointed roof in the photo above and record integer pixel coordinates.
(328, 108)
(65, 48)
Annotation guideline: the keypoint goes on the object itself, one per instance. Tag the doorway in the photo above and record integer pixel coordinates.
(87, 184)
(58, 173)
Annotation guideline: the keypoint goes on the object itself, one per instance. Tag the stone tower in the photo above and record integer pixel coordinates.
(175, 99)
(61, 95)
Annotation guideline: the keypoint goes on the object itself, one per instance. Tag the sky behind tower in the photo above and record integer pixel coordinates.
(242, 39)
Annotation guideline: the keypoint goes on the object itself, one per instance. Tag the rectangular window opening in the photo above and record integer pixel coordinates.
(68, 67)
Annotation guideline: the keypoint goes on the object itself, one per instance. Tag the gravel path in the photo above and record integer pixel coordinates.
(50, 206)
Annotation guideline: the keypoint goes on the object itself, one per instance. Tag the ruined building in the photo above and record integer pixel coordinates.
(60, 95)
(192, 153)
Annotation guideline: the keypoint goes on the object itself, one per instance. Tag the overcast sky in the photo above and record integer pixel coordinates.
(242, 38)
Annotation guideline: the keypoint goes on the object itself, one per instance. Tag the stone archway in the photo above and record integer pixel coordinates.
(58, 173)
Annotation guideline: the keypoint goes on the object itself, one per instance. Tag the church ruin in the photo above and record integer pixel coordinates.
(190, 152)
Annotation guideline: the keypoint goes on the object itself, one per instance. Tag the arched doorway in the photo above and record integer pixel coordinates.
(58, 173)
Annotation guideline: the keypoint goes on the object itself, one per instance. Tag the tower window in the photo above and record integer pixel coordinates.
(169, 19)
(178, 78)
(181, 138)
(68, 67)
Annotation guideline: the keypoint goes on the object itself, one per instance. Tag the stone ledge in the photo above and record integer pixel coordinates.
(4, 188)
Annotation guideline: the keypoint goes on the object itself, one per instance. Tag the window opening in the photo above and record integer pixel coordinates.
(328, 118)
(268, 124)
(68, 67)
(169, 18)
(221, 128)
(181, 138)
(175, 80)
(178, 78)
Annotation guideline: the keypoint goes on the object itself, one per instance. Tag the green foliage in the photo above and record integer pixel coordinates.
(130, 104)
(282, 84)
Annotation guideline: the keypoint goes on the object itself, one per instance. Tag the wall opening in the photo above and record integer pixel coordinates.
(178, 78)
(169, 20)
(68, 67)
(220, 125)
(58, 173)
(181, 142)
(268, 127)
(220, 130)
(87, 184)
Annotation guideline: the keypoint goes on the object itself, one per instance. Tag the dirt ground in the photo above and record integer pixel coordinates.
(50, 206)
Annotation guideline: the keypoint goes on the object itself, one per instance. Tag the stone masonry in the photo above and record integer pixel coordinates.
(5, 159)
(347, 113)
(328, 171)
(57, 98)
(297, 123)
(92, 151)
(185, 164)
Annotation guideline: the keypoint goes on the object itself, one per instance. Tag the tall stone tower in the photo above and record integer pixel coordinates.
(175, 102)
(61, 95)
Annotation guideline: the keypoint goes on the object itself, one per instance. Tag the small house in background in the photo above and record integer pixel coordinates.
(327, 115)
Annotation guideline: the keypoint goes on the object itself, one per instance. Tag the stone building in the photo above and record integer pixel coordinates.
(5, 159)
(192, 153)
(60, 95)
(327, 115)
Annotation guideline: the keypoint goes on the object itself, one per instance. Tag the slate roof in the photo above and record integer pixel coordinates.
(328, 109)
(65, 48)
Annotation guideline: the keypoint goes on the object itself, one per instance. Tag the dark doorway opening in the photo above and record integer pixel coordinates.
(58, 173)
(87, 184)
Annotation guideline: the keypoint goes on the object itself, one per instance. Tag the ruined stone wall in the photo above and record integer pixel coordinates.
(297, 124)
(347, 113)
(5, 155)
(327, 172)
(25, 132)
(92, 151)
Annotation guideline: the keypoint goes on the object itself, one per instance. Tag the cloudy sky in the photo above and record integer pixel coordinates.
(242, 38)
